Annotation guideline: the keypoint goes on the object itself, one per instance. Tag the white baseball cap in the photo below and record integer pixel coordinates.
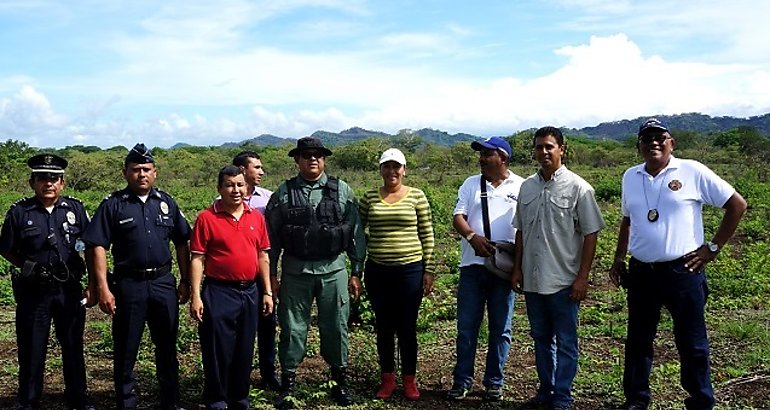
(393, 154)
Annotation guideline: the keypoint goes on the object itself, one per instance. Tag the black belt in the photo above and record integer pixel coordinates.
(660, 265)
(143, 273)
(238, 284)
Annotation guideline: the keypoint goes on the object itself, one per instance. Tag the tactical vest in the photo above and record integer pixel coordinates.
(314, 234)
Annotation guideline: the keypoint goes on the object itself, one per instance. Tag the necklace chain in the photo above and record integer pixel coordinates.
(652, 212)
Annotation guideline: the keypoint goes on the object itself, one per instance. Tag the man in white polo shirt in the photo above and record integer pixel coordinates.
(662, 227)
(478, 286)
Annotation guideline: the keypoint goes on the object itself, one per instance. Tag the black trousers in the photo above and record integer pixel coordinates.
(266, 330)
(155, 302)
(36, 307)
(227, 333)
(396, 293)
(683, 293)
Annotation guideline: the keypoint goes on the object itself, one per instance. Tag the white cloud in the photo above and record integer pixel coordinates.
(205, 73)
(28, 111)
(606, 79)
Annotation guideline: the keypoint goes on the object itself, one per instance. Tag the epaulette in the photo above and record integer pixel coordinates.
(161, 193)
(18, 201)
(72, 198)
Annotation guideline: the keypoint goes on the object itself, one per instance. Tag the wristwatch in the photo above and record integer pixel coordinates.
(712, 247)
(470, 236)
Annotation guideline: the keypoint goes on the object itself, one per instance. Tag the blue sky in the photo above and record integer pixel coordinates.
(106, 73)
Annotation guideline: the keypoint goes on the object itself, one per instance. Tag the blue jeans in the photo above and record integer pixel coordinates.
(651, 287)
(553, 324)
(479, 287)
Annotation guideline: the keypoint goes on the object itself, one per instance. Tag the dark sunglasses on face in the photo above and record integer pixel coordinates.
(311, 154)
(649, 138)
(47, 178)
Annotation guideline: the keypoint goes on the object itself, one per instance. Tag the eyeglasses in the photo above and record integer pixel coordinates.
(311, 154)
(649, 138)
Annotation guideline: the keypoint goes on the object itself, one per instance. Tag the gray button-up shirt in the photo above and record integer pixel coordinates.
(554, 216)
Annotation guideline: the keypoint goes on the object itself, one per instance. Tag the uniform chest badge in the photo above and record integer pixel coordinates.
(71, 218)
(164, 208)
(675, 185)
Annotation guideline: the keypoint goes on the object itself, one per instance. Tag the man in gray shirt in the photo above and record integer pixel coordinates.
(557, 221)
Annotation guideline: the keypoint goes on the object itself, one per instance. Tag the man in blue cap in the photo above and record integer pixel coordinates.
(478, 286)
(41, 237)
(138, 222)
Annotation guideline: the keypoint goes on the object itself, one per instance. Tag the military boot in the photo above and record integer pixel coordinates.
(285, 398)
(340, 392)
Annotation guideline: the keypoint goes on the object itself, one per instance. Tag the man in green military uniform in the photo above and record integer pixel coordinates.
(313, 221)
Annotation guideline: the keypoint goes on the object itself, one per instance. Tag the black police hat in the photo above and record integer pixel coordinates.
(140, 154)
(306, 143)
(47, 164)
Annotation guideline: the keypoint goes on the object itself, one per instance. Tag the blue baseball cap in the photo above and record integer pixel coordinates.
(652, 123)
(494, 143)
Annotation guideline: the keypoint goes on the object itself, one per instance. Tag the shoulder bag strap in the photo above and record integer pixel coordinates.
(485, 208)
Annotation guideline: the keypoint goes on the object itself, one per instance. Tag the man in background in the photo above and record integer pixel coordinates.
(251, 165)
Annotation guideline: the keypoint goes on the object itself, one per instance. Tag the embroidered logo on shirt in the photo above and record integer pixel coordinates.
(674, 185)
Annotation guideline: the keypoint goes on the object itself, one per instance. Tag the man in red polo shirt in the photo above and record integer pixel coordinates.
(229, 246)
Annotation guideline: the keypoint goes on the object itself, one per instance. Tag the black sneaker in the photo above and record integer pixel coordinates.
(341, 395)
(636, 405)
(457, 393)
(493, 393)
(536, 403)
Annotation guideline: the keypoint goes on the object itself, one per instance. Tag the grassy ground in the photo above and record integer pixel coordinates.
(740, 341)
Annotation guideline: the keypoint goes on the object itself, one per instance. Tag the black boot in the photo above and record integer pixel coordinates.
(340, 391)
(285, 398)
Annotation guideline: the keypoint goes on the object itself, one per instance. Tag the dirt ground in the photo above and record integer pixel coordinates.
(434, 373)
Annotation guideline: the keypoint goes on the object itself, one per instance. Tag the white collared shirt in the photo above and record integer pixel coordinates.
(501, 202)
(678, 193)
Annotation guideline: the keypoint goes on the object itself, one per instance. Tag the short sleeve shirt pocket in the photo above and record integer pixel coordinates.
(562, 210)
(529, 214)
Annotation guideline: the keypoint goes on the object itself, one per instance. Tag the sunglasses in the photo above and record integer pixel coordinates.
(311, 154)
(649, 138)
(47, 177)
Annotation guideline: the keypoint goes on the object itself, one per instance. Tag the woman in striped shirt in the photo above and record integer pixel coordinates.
(399, 268)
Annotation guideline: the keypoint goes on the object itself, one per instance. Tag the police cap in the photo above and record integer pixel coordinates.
(140, 154)
(47, 165)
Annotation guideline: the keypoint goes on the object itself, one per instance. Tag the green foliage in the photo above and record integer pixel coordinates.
(363, 155)
(739, 279)
(607, 189)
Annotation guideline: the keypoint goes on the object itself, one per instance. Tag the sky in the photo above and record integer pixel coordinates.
(117, 72)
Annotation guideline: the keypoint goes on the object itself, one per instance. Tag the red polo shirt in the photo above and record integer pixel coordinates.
(231, 246)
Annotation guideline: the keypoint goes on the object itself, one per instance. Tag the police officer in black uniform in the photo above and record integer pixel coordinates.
(41, 237)
(139, 221)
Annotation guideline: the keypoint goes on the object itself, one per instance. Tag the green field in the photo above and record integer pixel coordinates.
(738, 310)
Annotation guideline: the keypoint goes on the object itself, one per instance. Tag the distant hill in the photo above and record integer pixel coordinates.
(615, 130)
(261, 140)
(695, 122)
